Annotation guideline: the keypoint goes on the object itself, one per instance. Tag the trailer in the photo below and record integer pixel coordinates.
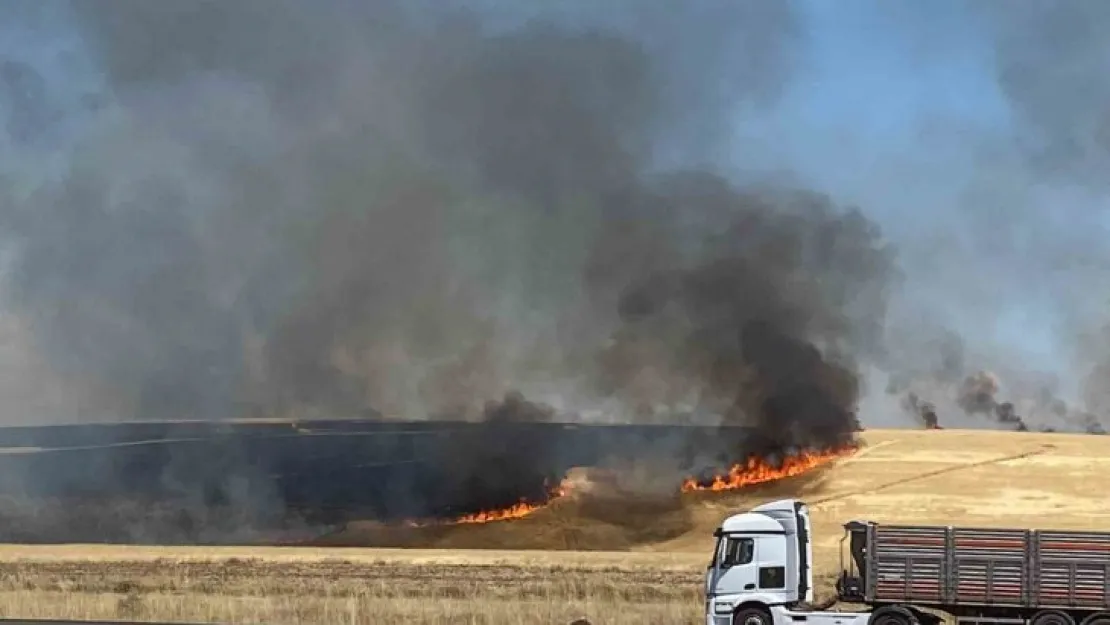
(761, 573)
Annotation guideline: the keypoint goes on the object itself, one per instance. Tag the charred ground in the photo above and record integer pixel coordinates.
(243, 482)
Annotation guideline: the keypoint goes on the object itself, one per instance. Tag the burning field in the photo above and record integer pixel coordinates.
(601, 483)
(482, 276)
(759, 470)
(517, 479)
(265, 482)
(595, 509)
(516, 229)
(391, 483)
(590, 552)
(984, 478)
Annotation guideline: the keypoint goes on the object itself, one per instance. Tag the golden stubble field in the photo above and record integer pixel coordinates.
(945, 477)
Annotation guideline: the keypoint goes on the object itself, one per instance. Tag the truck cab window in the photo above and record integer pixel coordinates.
(738, 551)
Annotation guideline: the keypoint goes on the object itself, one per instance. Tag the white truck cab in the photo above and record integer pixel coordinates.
(762, 573)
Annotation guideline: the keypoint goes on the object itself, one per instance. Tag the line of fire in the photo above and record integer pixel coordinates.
(333, 472)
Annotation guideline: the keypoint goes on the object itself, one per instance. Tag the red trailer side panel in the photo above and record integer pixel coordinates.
(906, 564)
(989, 566)
(1071, 569)
(954, 566)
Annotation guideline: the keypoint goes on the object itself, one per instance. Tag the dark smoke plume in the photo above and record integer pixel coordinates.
(1043, 51)
(354, 209)
(978, 395)
(493, 472)
(945, 386)
(924, 410)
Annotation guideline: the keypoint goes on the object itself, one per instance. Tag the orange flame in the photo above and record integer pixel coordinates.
(516, 511)
(755, 471)
(758, 471)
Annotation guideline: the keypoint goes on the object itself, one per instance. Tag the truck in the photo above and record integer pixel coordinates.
(761, 573)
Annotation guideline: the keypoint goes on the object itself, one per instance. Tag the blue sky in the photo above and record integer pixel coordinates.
(893, 114)
(866, 94)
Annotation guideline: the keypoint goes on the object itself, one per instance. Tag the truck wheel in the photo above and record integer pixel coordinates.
(1098, 618)
(752, 616)
(893, 615)
(1052, 617)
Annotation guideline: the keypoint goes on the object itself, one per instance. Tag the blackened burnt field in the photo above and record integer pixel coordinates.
(267, 481)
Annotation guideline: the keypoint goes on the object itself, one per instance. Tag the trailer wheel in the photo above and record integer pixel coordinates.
(1051, 617)
(752, 616)
(1098, 618)
(893, 615)
(928, 618)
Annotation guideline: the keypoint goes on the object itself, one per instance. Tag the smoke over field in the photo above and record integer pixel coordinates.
(460, 211)
(360, 209)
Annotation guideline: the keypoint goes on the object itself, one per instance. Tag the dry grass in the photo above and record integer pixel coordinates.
(901, 477)
(959, 477)
(306, 588)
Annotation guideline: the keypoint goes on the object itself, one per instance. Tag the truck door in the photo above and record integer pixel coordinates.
(737, 571)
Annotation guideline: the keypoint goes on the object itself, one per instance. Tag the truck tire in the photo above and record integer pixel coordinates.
(752, 616)
(1051, 617)
(1098, 618)
(893, 615)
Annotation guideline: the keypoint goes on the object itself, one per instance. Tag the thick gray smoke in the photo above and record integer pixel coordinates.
(978, 395)
(1052, 60)
(256, 208)
(764, 323)
(355, 207)
(923, 410)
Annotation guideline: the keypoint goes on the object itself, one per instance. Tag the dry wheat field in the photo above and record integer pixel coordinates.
(651, 573)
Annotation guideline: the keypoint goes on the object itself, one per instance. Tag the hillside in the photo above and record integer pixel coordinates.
(982, 478)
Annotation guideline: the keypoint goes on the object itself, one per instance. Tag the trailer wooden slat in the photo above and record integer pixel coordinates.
(988, 567)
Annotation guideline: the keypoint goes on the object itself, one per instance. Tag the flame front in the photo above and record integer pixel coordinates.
(758, 471)
(516, 511)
